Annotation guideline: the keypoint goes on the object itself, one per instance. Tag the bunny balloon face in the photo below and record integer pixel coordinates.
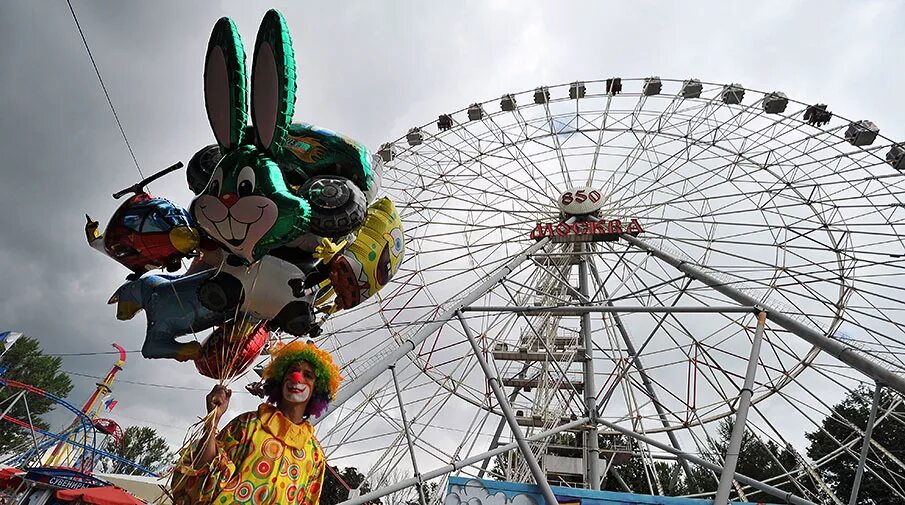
(247, 206)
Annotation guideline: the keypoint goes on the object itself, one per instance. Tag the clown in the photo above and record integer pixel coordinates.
(267, 456)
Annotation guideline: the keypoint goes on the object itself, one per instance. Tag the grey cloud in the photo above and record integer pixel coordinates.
(367, 69)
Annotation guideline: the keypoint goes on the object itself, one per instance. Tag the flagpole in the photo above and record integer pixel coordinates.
(61, 451)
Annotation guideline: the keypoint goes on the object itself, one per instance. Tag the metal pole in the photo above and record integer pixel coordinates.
(842, 352)
(645, 379)
(429, 328)
(408, 438)
(620, 480)
(31, 423)
(592, 447)
(744, 479)
(12, 404)
(741, 416)
(495, 441)
(648, 385)
(577, 310)
(525, 449)
(856, 485)
(457, 465)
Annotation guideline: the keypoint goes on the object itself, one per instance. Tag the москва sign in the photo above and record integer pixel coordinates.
(586, 231)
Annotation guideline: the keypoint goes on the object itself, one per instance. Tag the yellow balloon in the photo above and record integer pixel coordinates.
(369, 262)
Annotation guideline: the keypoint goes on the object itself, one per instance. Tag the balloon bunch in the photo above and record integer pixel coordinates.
(285, 223)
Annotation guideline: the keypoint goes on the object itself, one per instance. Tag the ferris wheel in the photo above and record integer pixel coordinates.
(613, 270)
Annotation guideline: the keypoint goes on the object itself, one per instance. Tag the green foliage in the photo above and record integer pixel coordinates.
(26, 362)
(639, 478)
(430, 490)
(839, 472)
(665, 478)
(761, 460)
(142, 445)
(333, 492)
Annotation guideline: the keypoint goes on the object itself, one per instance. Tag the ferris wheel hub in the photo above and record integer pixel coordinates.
(580, 201)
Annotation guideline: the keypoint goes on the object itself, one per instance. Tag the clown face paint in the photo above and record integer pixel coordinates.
(299, 384)
(298, 393)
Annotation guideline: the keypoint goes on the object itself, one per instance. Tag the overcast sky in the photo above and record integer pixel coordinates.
(368, 69)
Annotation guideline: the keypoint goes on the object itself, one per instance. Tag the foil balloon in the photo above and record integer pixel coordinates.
(371, 260)
(269, 289)
(246, 206)
(308, 151)
(172, 308)
(231, 349)
(146, 233)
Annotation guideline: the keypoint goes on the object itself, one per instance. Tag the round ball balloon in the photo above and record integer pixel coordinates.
(231, 349)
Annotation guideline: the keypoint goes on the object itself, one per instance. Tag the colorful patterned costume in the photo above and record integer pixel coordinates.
(262, 458)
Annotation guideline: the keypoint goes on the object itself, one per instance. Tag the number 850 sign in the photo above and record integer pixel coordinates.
(578, 201)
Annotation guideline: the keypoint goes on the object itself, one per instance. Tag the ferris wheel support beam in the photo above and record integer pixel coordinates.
(744, 479)
(430, 327)
(856, 484)
(408, 438)
(495, 441)
(648, 385)
(836, 349)
(591, 446)
(539, 477)
(741, 416)
(462, 463)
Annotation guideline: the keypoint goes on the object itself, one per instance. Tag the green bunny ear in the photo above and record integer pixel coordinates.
(225, 93)
(272, 82)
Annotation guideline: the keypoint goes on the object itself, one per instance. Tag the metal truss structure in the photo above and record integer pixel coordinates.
(764, 286)
(81, 442)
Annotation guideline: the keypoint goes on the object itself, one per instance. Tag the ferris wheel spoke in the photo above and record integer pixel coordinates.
(557, 147)
(791, 213)
(841, 445)
(524, 161)
(688, 146)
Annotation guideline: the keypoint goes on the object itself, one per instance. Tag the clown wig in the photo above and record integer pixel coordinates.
(327, 377)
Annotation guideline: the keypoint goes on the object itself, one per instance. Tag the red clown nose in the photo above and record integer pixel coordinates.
(295, 377)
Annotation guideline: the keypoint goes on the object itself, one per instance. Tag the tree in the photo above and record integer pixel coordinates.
(640, 478)
(430, 489)
(761, 460)
(846, 426)
(389, 478)
(26, 362)
(333, 491)
(141, 445)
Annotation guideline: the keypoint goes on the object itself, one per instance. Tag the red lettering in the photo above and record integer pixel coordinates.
(538, 231)
(566, 198)
(594, 196)
(580, 197)
(601, 230)
(634, 227)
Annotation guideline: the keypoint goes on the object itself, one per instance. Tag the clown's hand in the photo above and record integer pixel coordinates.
(217, 401)
(327, 249)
